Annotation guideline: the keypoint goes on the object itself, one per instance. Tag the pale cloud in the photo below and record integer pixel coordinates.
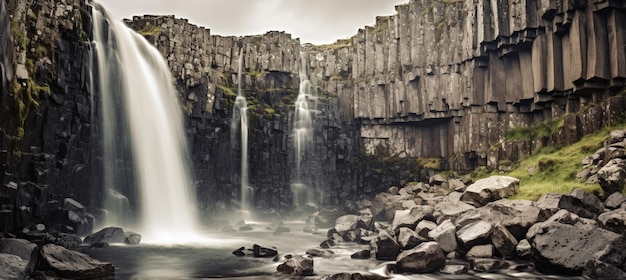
(319, 22)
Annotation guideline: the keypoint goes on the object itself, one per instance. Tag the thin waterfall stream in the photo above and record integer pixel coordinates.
(239, 126)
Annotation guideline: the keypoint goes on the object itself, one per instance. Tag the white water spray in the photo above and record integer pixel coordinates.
(303, 133)
(239, 124)
(139, 107)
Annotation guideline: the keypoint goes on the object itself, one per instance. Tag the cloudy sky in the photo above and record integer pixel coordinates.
(313, 21)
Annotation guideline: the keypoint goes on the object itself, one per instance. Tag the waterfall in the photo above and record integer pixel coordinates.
(142, 131)
(239, 124)
(303, 134)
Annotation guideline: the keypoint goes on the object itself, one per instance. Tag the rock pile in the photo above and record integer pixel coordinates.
(450, 228)
(607, 165)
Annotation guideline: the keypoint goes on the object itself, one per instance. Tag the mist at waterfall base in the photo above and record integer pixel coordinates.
(142, 131)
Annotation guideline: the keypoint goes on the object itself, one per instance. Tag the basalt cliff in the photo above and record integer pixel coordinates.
(434, 87)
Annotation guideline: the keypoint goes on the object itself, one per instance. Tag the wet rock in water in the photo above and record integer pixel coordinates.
(522, 250)
(424, 258)
(344, 276)
(387, 248)
(264, 252)
(615, 200)
(132, 238)
(454, 269)
(72, 264)
(612, 176)
(475, 233)
(246, 228)
(503, 241)
(565, 243)
(241, 252)
(481, 251)
(596, 269)
(328, 243)
(490, 189)
(361, 255)
(22, 248)
(326, 217)
(411, 217)
(488, 265)
(297, 265)
(108, 235)
(614, 221)
(281, 230)
(319, 253)
(13, 267)
(445, 235)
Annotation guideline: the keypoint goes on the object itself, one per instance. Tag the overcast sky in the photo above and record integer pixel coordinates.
(313, 21)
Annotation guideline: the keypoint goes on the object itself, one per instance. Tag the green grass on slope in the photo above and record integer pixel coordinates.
(555, 169)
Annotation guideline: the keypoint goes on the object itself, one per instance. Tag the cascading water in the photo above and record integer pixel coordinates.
(239, 124)
(140, 118)
(303, 134)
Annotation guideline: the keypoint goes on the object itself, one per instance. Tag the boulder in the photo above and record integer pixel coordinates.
(327, 217)
(445, 235)
(13, 267)
(612, 176)
(480, 251)
(72, 264)
(361, 255)
(346, 223)
(423, 228)
(565, 243)
(344, 276)
(426, 257)
(68, 240)
(589, 201)
(297, 265)
(551, 203)
(410, 218)
(436, 180)
(281, 230)
(407, 238)
(387, 248)
(108, 235)
(450, 210)
(523, 249)
(454, 269)
(328, 243)
(475, 233)
(614, 221)
(132, 238)
(488, 265)
(596, 269)
(457, 185)
(503, 241)
(313, 252)
(22, 248)
(490, 189)
(264, 252)
(242, 252)
(615, 200)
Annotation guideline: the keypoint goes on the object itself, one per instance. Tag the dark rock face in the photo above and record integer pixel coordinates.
(72, 264)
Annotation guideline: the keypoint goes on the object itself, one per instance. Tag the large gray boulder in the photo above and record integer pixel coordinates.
(22, 248)
(407, 238)
(451, 210)
(106, 235)
(503, 241)
(490, 189)
(551, 203)
(480, 251)
(612, 176)
(596, 269)
(424, 258)
(346, 223)
(411, 217)
(423, 228)
(445, 235)
(475, 234)
(565, 243)
(71, 264)
(589, 201)
(13, 267)
(297, 265)
(615, 200)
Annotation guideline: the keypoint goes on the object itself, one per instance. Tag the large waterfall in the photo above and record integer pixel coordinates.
(239, 126)
(141, 127)
(303, 136)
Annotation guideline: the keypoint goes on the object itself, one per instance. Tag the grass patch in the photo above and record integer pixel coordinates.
(228, 92)
(544, 129)
(429, 163)
(150, 30)
(18, 36)
(553, 170)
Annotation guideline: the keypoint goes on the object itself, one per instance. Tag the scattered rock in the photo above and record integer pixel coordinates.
(451, 210)
(426, 257)
(481, 251)
(596, 269)
(475, 233)
(454, 269)
(132, 238)
(72, 264)
(615, 200)
(108, 235)
(387, 248)
(13, 267)
(361, 255)
(614, 221)
(589, 201)
(503, 241)
(319, 253)
(423, 228)
(612, 176)
(326, 217)
(523, 249)
(264, 252)
(408, 238)
(445, 235)
(346, 223)
(297, 265)
(488, 265)
(344, 276)
(410, 218)
(490, 189)
(328, 243)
